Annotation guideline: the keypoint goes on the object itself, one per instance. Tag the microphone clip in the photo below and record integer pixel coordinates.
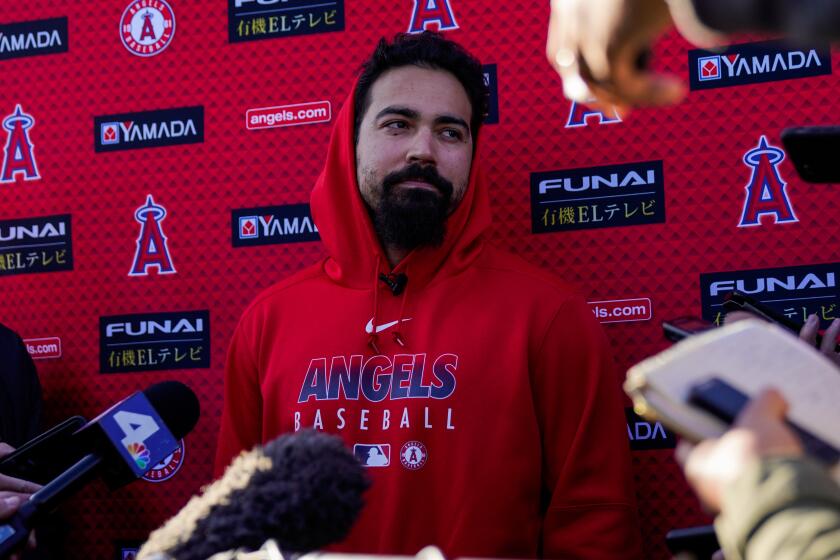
(395, 282)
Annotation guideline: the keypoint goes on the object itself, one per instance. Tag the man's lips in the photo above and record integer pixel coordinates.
(418, 184)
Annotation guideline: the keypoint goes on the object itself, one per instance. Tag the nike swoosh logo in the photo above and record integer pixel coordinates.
(382, 327)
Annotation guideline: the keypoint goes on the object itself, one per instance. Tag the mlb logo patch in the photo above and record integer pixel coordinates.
(109, 133)
(373, 455)
(708, 68)
(248, 227)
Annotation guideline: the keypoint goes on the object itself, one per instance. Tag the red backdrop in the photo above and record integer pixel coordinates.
(99, 174)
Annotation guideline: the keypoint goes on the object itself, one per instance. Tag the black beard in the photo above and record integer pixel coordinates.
(408, 218)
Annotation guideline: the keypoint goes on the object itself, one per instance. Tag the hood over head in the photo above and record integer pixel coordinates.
(346, 229)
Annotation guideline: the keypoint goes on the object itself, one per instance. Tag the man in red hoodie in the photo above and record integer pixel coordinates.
(477, 388)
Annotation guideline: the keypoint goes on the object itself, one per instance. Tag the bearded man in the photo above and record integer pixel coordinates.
(481, 385)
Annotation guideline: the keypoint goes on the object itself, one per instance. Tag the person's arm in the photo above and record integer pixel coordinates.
(772, 501)
(241, 426)
(781, 508)
(13, 491)
(587, 466)
(596, 47)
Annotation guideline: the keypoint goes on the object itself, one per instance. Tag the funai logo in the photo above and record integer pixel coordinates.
(154, 341)
(595, 197)
(794, 291)
(42, 244)
(251, 20)
(753, 63)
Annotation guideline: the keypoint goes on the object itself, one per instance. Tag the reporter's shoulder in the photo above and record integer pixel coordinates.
(9, 339)
(514, 273)
(299, 284)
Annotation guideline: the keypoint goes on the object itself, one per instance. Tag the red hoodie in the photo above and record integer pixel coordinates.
(497, 430)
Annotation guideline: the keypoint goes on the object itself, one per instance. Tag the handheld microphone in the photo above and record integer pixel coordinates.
(120, 445)
(51, 453)
(304, 490)
(44, 457)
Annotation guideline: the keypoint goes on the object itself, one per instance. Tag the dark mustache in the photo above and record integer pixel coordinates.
(426, 173)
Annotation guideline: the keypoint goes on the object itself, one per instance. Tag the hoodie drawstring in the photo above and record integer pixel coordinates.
(373, 337)
(398, 337)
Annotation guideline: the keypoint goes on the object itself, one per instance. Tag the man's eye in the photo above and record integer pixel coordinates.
(396, 125)
(453, 134)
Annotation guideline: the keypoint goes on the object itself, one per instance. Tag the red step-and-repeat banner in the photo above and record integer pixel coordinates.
(159, 155)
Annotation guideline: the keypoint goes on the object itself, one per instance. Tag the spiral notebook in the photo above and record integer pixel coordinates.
(750, 356)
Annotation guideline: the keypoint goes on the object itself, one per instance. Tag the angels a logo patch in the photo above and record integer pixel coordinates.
(147, 27)
(413, 455)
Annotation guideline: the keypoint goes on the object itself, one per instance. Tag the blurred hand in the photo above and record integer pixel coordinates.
(829, 341)
(13, 491)
(758, 432)
(600, 50)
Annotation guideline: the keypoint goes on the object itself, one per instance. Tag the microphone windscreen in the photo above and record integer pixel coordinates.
(176, 404)
(303, 490)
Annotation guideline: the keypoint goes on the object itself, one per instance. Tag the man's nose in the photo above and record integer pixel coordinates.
(422, 148)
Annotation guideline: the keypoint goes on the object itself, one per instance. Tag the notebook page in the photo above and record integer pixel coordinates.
(752, 355)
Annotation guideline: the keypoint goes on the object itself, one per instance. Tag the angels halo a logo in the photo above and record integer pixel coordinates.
(413, 455)
(167, 468)
(147, 27)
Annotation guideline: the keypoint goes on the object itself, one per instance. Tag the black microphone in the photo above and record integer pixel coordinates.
(396, 282)
(303, 490)
(51, 453)
(45, 456)
(119, 445)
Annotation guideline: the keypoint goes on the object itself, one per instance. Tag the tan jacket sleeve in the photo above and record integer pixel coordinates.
(781, 508)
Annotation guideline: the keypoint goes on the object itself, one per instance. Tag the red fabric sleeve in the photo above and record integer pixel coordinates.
(587, 465)
(241, 427)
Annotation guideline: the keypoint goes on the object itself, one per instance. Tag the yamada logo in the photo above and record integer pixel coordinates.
(29, 38)
(149, 129)
(708, 68)
(116, 132)
(267, 225)
(645, 435)
(753, 63)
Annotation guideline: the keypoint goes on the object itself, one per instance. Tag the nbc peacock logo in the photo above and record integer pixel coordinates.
(140, 454)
